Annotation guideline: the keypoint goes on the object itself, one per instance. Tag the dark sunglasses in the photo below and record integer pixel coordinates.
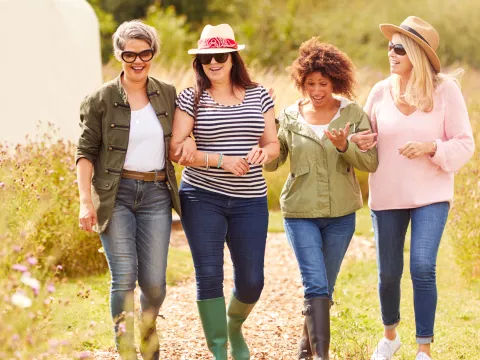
(131, 56)
(397, 48)
(207, 58)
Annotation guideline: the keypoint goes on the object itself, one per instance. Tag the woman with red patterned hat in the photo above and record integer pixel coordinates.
(223, 192)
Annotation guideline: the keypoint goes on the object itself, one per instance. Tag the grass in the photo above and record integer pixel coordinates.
(356, 322)
(88, 309)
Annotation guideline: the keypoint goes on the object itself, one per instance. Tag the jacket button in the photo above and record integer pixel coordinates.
(166, 113)
(158, 92)
(115, 104)
(293, 175)
(112, 125)
(171, 172)
(110, 148)
(106, 171)
(107, 185)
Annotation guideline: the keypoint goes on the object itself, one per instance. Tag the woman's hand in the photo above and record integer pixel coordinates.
(339, 137)
(87, 217)
(187, 148)
(257, 156)
(236, 165)
(414, 149)
(365, 140)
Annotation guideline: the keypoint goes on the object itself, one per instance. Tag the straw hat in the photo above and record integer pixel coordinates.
(421, 32)
(217, 39)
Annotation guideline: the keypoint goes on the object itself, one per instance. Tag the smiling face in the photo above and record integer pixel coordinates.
(138, 70)
(218, 72)
(318, 88)
(399, 64)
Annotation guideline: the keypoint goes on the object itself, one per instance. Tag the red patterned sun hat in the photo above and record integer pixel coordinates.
(217, 39)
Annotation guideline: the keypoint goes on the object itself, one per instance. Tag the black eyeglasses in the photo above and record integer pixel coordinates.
(397, 48)
(131, 56)
(207, 58)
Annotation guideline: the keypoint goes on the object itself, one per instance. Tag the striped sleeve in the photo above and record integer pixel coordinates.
(266, 100)
(185, 101)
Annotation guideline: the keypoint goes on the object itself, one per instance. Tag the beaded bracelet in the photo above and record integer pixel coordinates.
(220, 161)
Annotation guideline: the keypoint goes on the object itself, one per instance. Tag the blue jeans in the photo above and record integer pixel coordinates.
(390, 227)
(320, 245)
(209, 219)
(136, 245)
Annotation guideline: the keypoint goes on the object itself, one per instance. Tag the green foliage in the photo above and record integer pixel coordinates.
(108, 25)
(173, 32)
(124, 10)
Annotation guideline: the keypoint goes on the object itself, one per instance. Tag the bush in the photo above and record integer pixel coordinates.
(38, 198)
(464, 222)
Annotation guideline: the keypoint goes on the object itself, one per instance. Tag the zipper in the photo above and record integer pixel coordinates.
(116, 148)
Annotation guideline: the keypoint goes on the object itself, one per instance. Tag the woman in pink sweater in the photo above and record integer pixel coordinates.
(423, 137)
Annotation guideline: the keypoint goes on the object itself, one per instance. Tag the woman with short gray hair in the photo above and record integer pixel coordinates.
(127, 183)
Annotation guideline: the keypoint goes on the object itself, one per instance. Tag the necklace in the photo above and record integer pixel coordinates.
(136, 116)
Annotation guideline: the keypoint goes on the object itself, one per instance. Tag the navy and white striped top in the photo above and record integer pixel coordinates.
(231, 130)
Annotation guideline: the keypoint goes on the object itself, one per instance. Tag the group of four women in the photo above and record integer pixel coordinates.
(413, 133)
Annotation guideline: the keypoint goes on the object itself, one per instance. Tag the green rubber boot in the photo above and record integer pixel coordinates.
(214, 321)
(237, 314)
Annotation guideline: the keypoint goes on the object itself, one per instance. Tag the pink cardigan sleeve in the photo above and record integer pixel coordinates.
(457, 146)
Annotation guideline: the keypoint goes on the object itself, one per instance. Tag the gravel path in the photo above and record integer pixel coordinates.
(273, 328)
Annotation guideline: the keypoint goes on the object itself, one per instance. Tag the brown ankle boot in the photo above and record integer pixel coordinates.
(317, 317)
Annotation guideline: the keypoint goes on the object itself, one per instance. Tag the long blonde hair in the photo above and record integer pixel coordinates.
(423, 79)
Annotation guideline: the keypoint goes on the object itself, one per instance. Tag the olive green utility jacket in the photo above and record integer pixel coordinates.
(322, 181)
(105, 122)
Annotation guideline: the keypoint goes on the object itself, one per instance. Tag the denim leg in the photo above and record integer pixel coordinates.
(390, 227)
(154, 222)
(337, 234)
(118, 241)
(205, 223)
(306, 241)
(428, 223)
(246, 239)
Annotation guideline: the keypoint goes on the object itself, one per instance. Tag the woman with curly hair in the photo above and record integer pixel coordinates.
(321, 194)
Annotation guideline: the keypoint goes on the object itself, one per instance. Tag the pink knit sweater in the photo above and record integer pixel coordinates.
(400, 183)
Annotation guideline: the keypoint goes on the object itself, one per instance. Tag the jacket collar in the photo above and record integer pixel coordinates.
(292, 122)
(152, 88)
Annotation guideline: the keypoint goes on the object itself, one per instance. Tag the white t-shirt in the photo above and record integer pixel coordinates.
(318, 129)
(146, 147)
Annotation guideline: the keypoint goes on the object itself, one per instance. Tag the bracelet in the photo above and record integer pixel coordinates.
(434, 148)
(220, 161)
(208, 165)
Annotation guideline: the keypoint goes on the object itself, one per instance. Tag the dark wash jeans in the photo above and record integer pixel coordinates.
(320, 245)
(136, 245)
(209, 219)
(390, 227)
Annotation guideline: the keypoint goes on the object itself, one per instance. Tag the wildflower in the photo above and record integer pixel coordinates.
(50, 288)
(2, 184)
(122, 329)
(59, 267)
(19, 267)
(20, 300)
(15, 337)
(32, 260)
(50, 171)
(53, 343)
(32, 282)
(16, 248)
(85, 355)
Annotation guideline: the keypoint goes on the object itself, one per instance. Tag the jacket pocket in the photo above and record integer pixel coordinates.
(295, 192)
(343, 166)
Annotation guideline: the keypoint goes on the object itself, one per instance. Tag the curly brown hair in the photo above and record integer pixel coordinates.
(315, 55)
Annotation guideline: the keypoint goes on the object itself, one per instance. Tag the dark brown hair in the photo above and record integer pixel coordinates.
(239, 76)
(328, 60)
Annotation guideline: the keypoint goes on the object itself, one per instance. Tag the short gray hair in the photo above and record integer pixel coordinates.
(134, 29)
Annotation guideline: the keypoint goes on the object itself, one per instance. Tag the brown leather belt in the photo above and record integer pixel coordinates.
(157, 175)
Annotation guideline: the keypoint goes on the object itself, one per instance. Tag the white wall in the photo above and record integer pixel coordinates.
(49, 61)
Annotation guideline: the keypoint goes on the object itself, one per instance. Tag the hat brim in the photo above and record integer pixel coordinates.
(389, 29)
(215, 51)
